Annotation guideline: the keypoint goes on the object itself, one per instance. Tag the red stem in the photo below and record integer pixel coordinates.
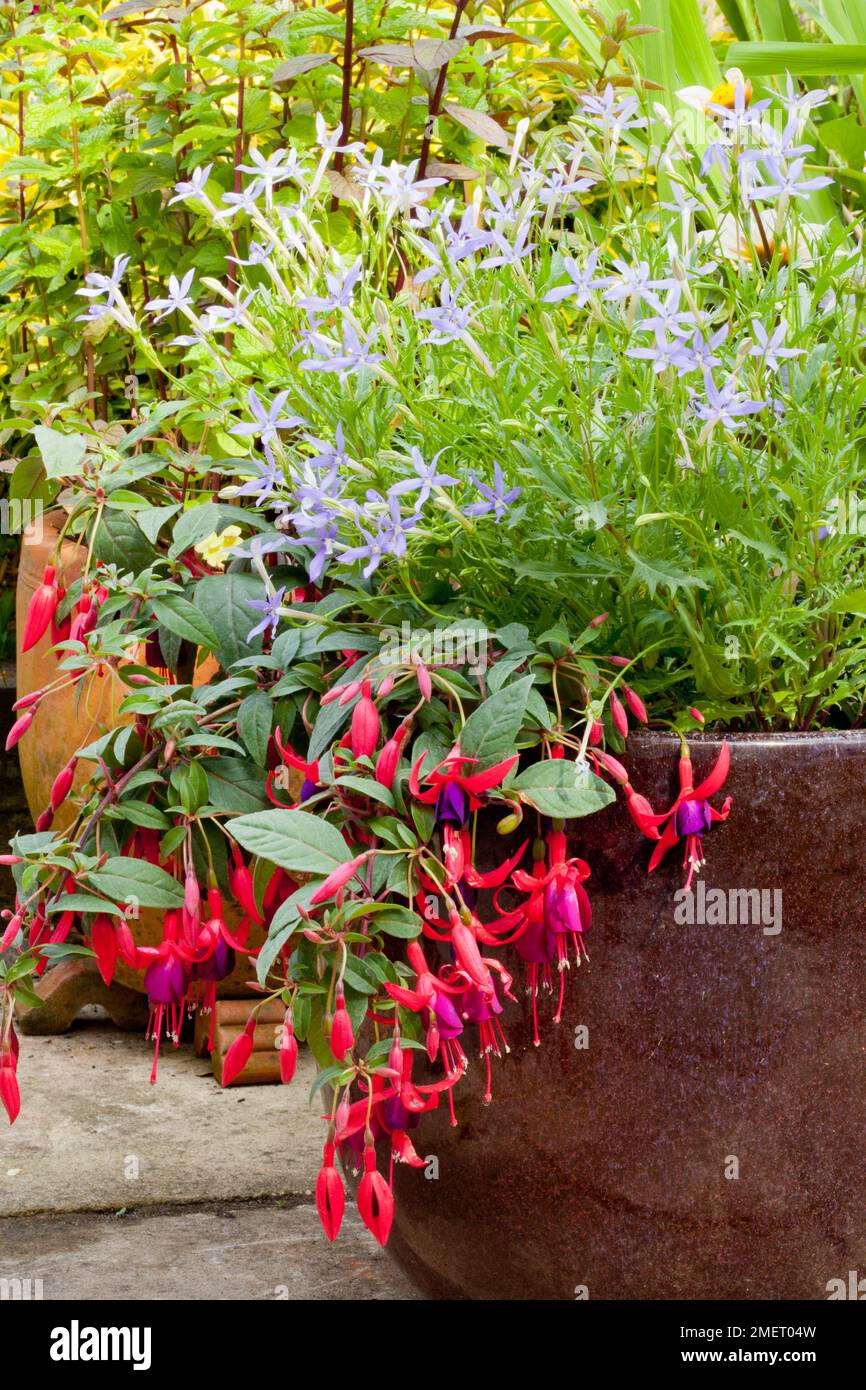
(436, 99)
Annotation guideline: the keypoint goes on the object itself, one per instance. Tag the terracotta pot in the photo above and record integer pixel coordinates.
(711, 1049)
(71, 719)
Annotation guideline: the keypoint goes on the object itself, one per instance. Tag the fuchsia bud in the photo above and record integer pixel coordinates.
(239, 1053)
(191, 895)
(40, 610)
(12, 929)
(62, 784)
(696, 714)
(19, 728)
(44, 819)
(618, 714)
(288, 1050)
(337, 880)
(330, 1194)
(342, 1035)
(425, 685)
(84, 619)
(596, 733)
(613, 766)
(641, 813)
(10, 1095)
(599, 621)
(635, 703)
(60, 628)
(387, 686)
(389, 757)
(375, 1198)
(345, 693)
(343, 1113)
(27, 700)
(365, 725)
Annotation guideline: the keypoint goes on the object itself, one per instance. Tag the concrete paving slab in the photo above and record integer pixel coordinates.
(94, 1135)
(258, 1251)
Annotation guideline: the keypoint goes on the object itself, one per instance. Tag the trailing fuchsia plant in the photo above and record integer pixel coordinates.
(386, 917)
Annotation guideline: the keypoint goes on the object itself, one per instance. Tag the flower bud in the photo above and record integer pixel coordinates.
(618, 715)
(19, 728)
(365, 725)
(40, 610)
(62, 784)
(288, 1050)
(342, 1034)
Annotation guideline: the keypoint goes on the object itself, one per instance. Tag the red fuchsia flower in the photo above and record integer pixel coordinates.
(104, 943)
(558, 912)
(392, 1105)
(375, 1198)
(241, 884)
(431, 999)
(309, 771)
(454, 791)
(638, 807)
(531, 941)
(166, 978)
(365, 725)
(206, 975)
(691, 815)
(215, 958)
(40, 610)
(143, 843)
(330, 1194)
(83, 618)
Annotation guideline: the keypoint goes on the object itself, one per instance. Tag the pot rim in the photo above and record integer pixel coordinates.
(755, 739)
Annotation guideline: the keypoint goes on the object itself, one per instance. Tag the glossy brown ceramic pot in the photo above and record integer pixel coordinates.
(712, 1050)
(71, 718)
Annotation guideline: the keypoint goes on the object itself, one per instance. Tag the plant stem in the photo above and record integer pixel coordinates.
(436, 99)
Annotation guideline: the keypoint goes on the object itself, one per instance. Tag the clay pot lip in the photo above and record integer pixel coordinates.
(814, 738)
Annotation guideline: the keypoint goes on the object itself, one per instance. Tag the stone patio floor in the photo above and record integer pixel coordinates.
(112, 1188)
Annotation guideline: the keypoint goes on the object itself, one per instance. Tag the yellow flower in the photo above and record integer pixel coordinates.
(214, 549)
(725, 94)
